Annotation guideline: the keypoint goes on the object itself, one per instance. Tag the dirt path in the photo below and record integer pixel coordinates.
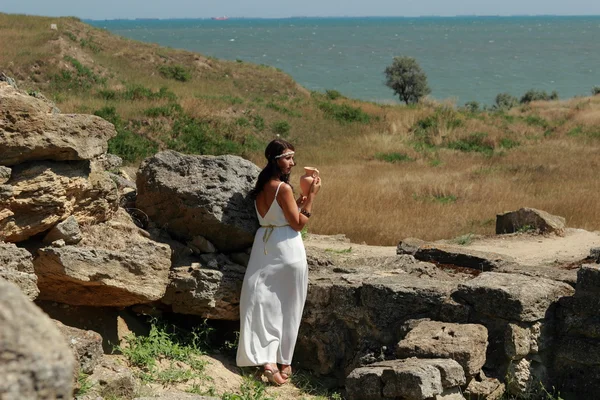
(538, 250)
(526, 249)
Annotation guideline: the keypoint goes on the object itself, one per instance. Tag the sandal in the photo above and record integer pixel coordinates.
(273, 375)
(286, 371)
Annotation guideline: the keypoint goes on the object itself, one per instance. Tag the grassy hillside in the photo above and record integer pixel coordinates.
(431, 171)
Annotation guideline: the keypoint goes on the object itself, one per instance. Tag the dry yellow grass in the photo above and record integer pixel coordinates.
(544, 153)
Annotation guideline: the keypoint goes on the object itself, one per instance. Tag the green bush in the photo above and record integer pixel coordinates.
(191, 136)
(177, 72)
(472, 106)
(344, 113)
(82, 78)
(333, 94)
(131, 146)
(536, 95)
(596, 90)
(393, 157)
(505, 101)
(281, 128)
(472, 143)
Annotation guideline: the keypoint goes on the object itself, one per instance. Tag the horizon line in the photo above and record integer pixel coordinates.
(347, 17)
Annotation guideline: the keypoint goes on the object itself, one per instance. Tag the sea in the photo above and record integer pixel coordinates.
(465, 58)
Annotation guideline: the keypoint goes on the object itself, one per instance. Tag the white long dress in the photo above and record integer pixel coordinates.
(273, 292)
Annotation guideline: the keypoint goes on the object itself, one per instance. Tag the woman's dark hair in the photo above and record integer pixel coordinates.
(275, 148)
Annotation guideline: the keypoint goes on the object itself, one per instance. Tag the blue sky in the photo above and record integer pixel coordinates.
(108, 9)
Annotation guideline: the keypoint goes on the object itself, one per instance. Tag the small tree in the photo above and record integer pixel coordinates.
(406, 78)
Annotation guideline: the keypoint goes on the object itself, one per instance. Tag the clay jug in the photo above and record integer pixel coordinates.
(310, 173)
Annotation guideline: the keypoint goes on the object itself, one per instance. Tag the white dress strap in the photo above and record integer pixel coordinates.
(277, 191)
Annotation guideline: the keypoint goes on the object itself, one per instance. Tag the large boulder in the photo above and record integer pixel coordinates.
(465, 343)
(512, 297)
(529, 219)
(29, 130)
(40, 195)
(16, 267)
(349, 315)
(200, 196)
(35, 361)
(210, 289)
(113, 265)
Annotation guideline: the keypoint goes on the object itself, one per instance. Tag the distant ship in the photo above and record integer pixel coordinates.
(220, 18)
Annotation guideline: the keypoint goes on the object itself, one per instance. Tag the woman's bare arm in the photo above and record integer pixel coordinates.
(290, 207)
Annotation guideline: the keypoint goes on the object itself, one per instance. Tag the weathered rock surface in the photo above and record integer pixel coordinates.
(484, 388)
(35, 361)
(29, 130)
(16, 267)
(512, 297)
(464, 343)
(595, 254)
(210, 288)
(40, 195)
(351, 314)
(576, 368)
(529, 219)
(67, 230)
(410, 379)
(4, 174)
(111, 379)
(200, 196)
(86, 346)
(113, 265)
(463, 257)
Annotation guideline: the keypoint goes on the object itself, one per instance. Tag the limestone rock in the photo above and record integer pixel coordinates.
(40, 195)
(407, 379)
(465, 343)
(113, 265)
(86, 346)
(512, 297)
(4, 174)
(529, 219)
(109, 161)
(112, 379)
(348, 315)
(67, 230)
(517, 342)
(524, 376)
(36, 363)
(29, 130)
(16, 267)
(200, 195)
(409, 246)
(588, 280)
(595, 254)
(200, 245)
(450, 394)
(484, 388)
(463, 256)
(212, 290)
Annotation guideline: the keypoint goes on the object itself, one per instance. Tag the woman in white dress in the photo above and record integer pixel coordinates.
(276, 280)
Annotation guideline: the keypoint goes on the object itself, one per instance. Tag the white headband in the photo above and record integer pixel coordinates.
(287, 153)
